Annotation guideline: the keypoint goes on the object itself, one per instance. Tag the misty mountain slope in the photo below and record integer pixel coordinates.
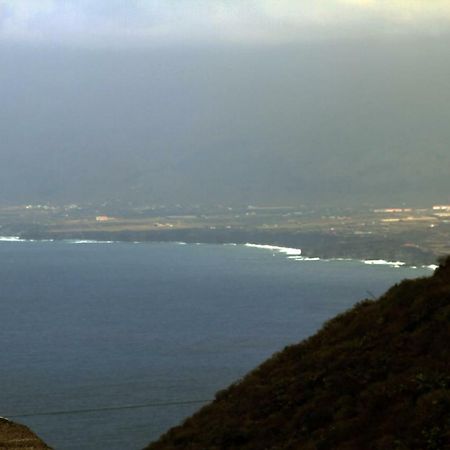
(375, 377)
(347, 122)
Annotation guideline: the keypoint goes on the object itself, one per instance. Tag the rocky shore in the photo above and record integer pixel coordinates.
(312, 244)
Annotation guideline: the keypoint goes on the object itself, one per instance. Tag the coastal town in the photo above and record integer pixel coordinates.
(415, 235)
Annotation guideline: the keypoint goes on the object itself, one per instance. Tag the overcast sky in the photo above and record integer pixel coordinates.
(268, 101)
(155, 22)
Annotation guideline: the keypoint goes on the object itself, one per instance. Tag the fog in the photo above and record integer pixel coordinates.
(233, 117)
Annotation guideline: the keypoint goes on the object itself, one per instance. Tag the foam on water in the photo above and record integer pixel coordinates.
(11, 239)
(383, 262)
(304, 258)
(87, 241)
(294, 254)
(276, 248)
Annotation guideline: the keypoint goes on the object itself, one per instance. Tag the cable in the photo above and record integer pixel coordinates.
(107, 408)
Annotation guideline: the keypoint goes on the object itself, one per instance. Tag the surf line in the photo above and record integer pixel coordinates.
(276, 248)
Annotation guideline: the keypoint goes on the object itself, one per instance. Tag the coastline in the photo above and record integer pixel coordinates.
(293, 253)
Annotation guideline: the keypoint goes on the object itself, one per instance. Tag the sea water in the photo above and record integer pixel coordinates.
(107, 345)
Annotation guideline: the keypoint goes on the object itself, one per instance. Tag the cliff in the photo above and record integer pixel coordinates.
(375, 377)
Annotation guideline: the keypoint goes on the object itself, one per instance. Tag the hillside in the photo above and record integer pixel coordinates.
(14, 436)
(375, 377)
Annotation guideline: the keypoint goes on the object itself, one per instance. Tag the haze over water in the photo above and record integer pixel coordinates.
(94, 326)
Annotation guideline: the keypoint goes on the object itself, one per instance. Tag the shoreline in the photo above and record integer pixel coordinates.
(295, 254)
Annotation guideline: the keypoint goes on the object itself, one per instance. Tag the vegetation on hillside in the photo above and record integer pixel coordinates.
(375, 377)
(14, 436)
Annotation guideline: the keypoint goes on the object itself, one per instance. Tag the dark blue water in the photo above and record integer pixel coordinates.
(92, 326)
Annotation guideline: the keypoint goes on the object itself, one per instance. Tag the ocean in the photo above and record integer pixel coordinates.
(107, 345)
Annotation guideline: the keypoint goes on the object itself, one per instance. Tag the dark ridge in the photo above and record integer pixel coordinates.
(14, 436)
(375, 377)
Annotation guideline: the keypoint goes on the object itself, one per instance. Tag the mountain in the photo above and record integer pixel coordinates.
(339, 124)
(375, 377)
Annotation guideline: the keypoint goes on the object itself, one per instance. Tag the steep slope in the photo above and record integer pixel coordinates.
(14, 436)
(375, 377)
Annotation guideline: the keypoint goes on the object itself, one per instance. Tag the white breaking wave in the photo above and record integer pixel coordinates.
(431, 267)
(87, 241)
(275, 248)
(12, 239)
(383, 262)
(304, 258)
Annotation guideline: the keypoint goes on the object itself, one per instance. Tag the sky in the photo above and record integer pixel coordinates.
(265, 102)
(154, 22)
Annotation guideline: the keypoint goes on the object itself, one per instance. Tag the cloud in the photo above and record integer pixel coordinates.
(154, 22)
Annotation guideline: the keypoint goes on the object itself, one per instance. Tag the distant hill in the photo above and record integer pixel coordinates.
(14, 436)
(348, 123)
(375, 377)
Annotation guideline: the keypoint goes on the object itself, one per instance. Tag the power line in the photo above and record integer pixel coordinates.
(106, 408)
